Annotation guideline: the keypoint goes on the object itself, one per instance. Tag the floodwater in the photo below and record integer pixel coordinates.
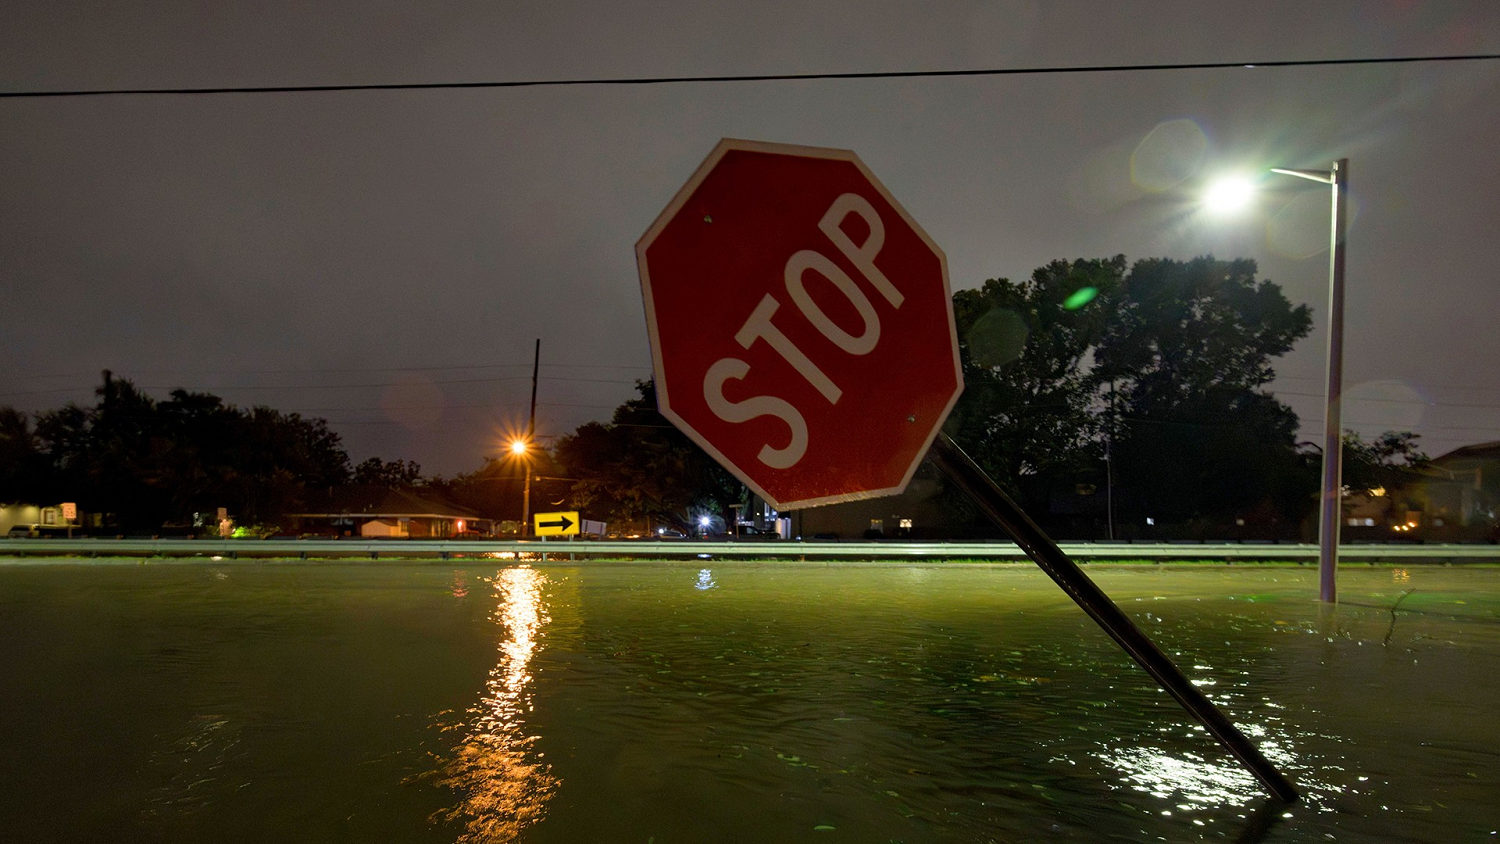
(735, 702)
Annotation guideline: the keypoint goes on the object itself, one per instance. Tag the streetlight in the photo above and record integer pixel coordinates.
(520, 448)
(1330, 516)
(1331, 510)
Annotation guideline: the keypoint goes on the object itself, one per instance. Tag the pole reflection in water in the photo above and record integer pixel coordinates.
(504, 785)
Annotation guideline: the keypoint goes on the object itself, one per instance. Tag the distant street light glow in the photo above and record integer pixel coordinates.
(520, 448)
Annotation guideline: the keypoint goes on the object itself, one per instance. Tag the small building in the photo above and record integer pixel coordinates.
(920, 512)
(1461, 492)
(385, 513)
(24, 519)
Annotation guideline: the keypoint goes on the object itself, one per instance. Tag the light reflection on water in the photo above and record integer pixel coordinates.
(790, 702)
(503, 783)
(1192, 781)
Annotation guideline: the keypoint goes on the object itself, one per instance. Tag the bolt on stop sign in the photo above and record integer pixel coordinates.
(801, 324)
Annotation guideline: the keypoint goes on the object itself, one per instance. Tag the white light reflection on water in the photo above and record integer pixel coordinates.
(504, 784)
(1183, 776)
(1192, 782)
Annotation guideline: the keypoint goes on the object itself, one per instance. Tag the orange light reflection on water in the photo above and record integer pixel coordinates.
(503, 782)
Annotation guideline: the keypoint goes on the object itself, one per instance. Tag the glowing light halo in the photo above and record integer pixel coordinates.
(1228, 194)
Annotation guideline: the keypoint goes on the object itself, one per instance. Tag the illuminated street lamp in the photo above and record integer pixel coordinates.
(1330, 515)
(1227, 193)
(520, 448)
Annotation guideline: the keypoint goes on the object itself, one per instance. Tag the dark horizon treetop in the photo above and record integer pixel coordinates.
(1196, 434)
(1159, 365)
(1149, 377)
(145, 463)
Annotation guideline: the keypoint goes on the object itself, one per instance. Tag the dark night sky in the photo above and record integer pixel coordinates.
(386, 259)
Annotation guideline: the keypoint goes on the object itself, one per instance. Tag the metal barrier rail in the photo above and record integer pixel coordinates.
(393, 549)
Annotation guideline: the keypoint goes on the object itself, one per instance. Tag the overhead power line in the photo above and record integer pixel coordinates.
(748, 77)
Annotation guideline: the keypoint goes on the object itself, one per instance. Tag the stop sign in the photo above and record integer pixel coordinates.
(801, 324)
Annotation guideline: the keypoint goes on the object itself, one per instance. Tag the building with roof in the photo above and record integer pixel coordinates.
(1460, 491)
(385, 512)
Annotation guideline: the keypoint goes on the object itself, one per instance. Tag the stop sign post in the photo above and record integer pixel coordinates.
(801, 326)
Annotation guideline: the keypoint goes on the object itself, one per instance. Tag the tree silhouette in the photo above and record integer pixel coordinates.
(638, 466)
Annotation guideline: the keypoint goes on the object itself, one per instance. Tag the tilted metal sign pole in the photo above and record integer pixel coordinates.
(1044, 552)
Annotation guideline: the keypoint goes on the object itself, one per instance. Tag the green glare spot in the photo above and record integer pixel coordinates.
(1082, 296)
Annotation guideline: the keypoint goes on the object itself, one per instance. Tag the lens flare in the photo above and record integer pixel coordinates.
(997, 338)
(1080, 297)
(1169, 155)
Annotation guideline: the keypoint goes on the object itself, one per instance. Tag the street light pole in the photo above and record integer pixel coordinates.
(1330, 515)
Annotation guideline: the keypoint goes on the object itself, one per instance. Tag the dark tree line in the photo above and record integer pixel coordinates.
(1092, 380)
(1097, 379)
(1145, 383)
(143, 462)
(140, 463)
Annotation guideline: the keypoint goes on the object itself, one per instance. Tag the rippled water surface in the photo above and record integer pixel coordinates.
(741, 702)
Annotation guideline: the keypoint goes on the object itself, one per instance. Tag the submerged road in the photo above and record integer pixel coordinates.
(543, 550)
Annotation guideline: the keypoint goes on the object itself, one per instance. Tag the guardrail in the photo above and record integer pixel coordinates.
(540, 550)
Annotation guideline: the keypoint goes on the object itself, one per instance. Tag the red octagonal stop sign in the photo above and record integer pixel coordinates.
(801, 324)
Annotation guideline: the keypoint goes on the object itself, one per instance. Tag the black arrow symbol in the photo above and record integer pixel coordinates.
(563, 523)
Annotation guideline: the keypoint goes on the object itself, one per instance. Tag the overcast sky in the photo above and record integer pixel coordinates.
(387, 259)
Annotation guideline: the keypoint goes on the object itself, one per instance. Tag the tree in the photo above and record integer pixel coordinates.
(1391, 460)
(64, 438)
(1197, 437)
(121, 470)
(393, 473)
(22, 466)
(641, 467)
(196, 464)
(1028, 411)
(279, 457)
(1160, 368)
(145, 463)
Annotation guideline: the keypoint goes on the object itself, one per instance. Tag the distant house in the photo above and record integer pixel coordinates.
(386, 513)
(1461, 491)
(22, 519)
(918, 513)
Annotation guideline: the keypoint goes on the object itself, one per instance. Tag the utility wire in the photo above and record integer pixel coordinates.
(752, 77)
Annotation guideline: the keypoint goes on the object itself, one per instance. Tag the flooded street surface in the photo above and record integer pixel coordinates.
(735, 702)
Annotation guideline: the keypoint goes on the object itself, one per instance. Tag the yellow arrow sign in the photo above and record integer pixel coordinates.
(556, 524)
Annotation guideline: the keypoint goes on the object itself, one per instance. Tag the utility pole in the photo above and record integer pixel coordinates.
(536, 359)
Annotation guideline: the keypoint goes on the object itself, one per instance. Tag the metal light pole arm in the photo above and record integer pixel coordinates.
(1324, 176)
